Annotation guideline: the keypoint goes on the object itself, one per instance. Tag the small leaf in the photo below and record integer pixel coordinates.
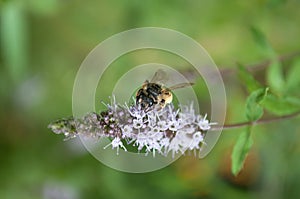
(254, 110)
(262, 41)
(293, 79)
(240, 151)
(275, 77)
(281, 105)
(251, 83)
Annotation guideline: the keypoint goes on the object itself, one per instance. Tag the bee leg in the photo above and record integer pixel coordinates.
(138, 98)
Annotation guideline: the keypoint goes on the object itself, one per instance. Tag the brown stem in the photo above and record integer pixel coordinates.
(262, 121)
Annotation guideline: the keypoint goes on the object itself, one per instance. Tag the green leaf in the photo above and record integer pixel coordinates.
(293, 78)
(281, 105)
(251, 83)
(262, 41)
(240, 151)
(254, 110)
(275, 77)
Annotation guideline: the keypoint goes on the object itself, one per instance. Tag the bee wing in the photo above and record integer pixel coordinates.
(160, 77)
(182, 85)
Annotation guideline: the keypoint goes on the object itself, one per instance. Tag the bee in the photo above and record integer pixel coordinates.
(153, 95)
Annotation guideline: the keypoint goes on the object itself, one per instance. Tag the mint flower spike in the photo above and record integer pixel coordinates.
(167, 131)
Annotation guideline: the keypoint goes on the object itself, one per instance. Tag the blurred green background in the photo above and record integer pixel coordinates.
(42, 46)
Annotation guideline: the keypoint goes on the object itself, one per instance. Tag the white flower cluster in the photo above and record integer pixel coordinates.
(165, 131)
